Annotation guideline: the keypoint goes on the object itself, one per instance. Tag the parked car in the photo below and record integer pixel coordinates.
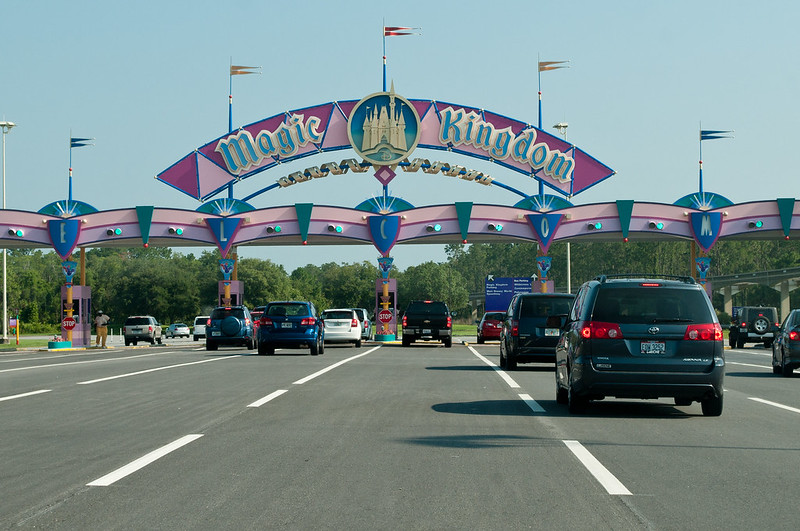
(531, 328)
(753, 324)
(141, 328)
(230, 325)
(641, 338)
(366, 324)
(786, 346)
(291, 324)
(490, 325)
(177, 330)
(200, 323)
(342, 325)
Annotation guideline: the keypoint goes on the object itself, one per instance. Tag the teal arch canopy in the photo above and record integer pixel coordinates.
(292, 135)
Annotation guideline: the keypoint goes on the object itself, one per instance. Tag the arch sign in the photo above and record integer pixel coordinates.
(384, 129)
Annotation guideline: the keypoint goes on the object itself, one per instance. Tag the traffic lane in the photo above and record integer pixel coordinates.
(422, 437)
(672, 459)
(51, 443)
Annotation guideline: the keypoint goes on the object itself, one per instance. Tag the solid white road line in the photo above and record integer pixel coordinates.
(503, 374)
(24, 395)
(748, 365)
(607, 480)
(323, 371)
(143, 461)
(153, 370)
(261, 402)
(77, 362)
(787, 408)
(533, 404)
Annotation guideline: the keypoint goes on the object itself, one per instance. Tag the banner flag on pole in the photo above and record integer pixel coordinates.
(79, 142)
(710, 134)
(392, 31)
(239, 70)
(552, 65)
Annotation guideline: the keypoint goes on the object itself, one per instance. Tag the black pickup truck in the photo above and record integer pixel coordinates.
(427, 320)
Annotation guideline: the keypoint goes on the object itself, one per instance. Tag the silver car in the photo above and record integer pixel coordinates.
(342, 326)
(141, 328)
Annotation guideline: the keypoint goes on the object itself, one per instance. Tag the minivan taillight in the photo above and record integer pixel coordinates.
(515, 328)
(265, 321)
(794, 335)
(308, 321)
(703, 332)
(354, 323)
(600, 330)
(208, 322)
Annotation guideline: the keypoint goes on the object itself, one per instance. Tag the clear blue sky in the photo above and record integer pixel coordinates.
(149, 81)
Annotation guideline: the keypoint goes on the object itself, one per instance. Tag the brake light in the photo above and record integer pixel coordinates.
(703, 332)
(150, 328)
(208, 322)
(405, 320)
(601, 330)
(308, 321)
(794, 335)
(744, 323)
(354, 323)
(265, 321)
(246, 321)
(515, 328)
(650, 284)
(449, 321)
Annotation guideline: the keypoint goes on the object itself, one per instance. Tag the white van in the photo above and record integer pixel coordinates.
(200, 326)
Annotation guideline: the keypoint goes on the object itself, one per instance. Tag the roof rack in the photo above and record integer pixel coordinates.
(680, 278)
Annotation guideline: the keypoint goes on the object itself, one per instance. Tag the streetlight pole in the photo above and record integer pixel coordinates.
(562, 128)
(6, 128)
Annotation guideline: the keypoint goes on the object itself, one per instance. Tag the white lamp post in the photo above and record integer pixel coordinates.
(6, 128)
(562, 128)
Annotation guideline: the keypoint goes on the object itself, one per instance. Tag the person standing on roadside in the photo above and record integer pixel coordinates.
(101, 323)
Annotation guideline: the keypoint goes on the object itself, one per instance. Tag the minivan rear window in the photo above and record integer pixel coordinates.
(543, 306)
(222, 313)
(637, 305)
(287, 309)
(133, 321)
(337, 315)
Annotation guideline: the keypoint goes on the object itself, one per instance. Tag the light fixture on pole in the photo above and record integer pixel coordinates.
(562, 128)
(6, 128)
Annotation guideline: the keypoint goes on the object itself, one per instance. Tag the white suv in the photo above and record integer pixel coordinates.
(200, 326)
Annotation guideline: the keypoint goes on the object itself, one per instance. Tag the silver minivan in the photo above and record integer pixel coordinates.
(199, 329)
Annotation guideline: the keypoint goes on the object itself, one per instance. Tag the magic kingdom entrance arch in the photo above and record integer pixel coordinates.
(384, 129)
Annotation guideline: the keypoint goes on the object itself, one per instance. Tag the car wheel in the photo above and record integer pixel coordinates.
(575, 404)
(739, 343)
(448, 342)
(321, 348)
(712, 407)
(732, 341)
(314, 347)
(406, 341)
(511, 361)
(211, 346)
(262, 349)
(776, 367)
(127, 342)
(502, 355)
(561, 393)
(249, 344)
(760, 325)
(480, 340)
(358, 343)
(135, 343)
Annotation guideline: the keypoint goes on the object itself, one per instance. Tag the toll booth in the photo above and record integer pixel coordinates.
(381, 319)
(81, 312)
(237, 292)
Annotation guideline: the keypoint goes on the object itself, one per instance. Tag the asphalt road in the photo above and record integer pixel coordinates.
(381, 437)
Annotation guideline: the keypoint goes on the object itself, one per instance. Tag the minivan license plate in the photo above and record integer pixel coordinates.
(286, 324)
(653, 347)
(552, 332)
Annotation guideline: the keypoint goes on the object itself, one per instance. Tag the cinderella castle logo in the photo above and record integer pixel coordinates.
(383, 128)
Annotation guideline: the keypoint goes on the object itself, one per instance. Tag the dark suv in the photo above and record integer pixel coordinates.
(230, 325)
(753, 324)
(291, 324)
(641, 338)
(531, 328)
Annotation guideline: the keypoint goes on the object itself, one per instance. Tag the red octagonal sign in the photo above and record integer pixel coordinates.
(68, 323)
(385, 316)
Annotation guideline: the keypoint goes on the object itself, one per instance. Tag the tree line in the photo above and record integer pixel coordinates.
(175, 287)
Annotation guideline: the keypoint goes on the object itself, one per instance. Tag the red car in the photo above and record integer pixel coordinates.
(490, 326)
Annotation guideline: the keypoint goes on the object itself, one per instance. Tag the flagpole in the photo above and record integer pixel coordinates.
(384, 56)
(700, 190)
(230, 97)
(69, 194)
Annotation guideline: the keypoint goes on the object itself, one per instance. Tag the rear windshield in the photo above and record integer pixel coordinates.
(137, 321)
(649, 305)
(289, 309)
(495, 316)
(544, 306)
(222, 313)
(338, 314)
(200, 321)
(360, 313)
(429, 308)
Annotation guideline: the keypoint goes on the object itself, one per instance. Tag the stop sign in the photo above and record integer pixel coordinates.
(68, 323)
(385, 316)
